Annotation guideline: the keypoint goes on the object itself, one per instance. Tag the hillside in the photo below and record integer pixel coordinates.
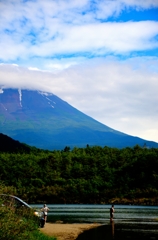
(45, 121)
(11, 146)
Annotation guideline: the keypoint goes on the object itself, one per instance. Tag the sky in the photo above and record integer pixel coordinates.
(100, 56)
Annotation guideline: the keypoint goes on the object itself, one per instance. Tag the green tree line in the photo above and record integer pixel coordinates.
(82, 175)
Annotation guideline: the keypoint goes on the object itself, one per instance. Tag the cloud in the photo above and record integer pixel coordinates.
(59, 29)
(120, 94)
(70, 11)
(88, 40)
(85, 53)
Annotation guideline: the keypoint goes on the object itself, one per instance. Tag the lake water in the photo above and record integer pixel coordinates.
(130, 222)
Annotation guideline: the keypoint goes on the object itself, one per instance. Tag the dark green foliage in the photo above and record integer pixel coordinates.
(18, 224)
(10, 145)
(82, 175)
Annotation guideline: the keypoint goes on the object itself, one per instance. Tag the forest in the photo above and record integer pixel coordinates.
(82, 175)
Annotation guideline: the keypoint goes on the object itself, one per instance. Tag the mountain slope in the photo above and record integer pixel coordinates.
(45, 121)
(10, 145)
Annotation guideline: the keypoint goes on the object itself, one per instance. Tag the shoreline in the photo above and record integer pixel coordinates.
(67, 231)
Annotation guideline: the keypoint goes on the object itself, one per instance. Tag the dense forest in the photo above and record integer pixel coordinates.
(82, 175)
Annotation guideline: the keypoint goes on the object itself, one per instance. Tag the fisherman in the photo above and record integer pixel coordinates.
(111, 213)
(45, 210)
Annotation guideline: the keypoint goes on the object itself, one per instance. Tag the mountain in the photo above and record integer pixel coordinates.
(10, 145)
(45, 121)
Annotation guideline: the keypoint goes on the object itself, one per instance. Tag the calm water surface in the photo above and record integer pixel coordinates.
(130, 222)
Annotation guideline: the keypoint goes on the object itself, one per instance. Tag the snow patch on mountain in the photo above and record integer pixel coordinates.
(45, 93)
(51, 105)
(20, 96)
(48, 99)
(4, 106)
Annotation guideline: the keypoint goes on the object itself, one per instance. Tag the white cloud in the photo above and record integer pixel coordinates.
(140, 4)
(55, 28)
(59, 37)
(67, 11)
(93, 39)
(122, 95)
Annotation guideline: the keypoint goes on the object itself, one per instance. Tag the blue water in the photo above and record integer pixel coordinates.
(85, 213)
(130, 222)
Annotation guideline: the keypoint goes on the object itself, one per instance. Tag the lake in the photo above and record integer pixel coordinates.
(130, 222)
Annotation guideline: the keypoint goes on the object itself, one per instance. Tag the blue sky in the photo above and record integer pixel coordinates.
(100, 56)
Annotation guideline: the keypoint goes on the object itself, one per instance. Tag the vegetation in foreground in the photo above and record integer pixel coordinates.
(18, 224)
(83, 175)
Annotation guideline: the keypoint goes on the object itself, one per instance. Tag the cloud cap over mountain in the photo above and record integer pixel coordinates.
(45, 121)
(100, 56)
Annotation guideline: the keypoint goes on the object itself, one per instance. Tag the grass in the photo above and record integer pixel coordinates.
(40, 236)
(19, 224)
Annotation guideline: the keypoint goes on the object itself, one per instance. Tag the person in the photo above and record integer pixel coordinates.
(42, 221)
(111, 212)
(45, 210)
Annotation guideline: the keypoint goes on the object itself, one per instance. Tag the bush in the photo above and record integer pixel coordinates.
(19, 224)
